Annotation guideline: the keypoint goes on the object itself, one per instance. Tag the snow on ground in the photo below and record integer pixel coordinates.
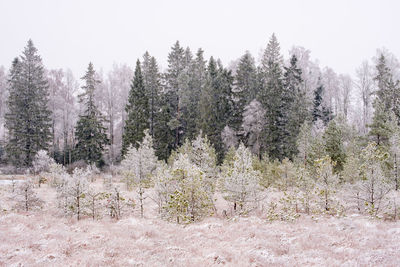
(44, 238)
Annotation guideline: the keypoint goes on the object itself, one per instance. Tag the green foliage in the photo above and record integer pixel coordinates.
(216, 105)
(373, 186)
(188, 201)
(320, 111)
(28, 117)
(380, 126)
(90, 132)
(327, 184)
(137, 110)
(333, 140)
(270, 96)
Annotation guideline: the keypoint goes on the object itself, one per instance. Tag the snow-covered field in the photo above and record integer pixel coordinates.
(46, 238)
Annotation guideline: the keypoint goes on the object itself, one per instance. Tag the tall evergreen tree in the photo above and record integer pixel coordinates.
(320, 111)
(333, 139)
(151, 80)
(173, 75)
(90, 132)
(216, 104)
(196, 80)
(270, 96)
(137, 110)
(388, 90)
(164, 136)
(245, 89)
(28, 118)
(380, 129)
(293, 106)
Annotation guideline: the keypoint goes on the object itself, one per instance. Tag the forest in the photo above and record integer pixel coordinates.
(199, 128)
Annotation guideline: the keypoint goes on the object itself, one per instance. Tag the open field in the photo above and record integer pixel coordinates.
(45, 237)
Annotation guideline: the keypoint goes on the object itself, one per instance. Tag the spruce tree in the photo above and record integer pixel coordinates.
(196, 82)
(245, 89)
(320, 111)
(270, 96)
(28, 118)
(388, 90)
(216, 104)
(137, 110)
(293, 106)
(90, 132)
(151, 80)
(173, 75)
(380, 129)
(164, 136)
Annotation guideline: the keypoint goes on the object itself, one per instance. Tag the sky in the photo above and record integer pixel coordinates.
(70, 34)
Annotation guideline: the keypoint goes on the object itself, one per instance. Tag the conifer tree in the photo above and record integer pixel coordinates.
(380, 129)
(245, 89)
(28, 118)
(293, 106)
(270, 96)
(388, 90)
(173, 75)
(320, 111)
(164, 136)
(216, 104)
(196, 83)
(90, 132)
(138, 165)
(333, 139)
(137, 110)
(240, 180)
(151, 80)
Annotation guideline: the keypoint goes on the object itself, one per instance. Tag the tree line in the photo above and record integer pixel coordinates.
(268, 107)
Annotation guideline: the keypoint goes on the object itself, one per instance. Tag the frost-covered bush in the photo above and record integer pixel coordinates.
(56, 174)
(72, 192)
(25, 196)
(94, 202)
(116, 204)
(42, 162)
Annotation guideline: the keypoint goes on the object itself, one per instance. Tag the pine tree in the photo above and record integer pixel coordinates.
(139, 164)
(333, 139)
(137, 110)
(28, 118)
(373, 186)
(90, 132)
(240, 180)
(186, 199)
(326, 182)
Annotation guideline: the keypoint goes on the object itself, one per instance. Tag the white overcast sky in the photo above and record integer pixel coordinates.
(70, 34)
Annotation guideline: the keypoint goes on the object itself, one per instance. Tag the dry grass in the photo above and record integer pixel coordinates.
(44, 238)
